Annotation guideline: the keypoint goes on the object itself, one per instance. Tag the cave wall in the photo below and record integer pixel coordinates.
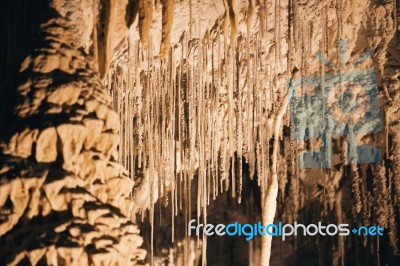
(64, 197)
(226, 76)
(196, 87)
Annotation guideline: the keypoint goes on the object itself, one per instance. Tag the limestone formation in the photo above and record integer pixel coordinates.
(171, 110)
(208, 112)
(64, 198)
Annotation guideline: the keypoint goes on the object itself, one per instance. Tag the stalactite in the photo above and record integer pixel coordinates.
(263, 17)
(339, 213)
(386, 129)
(145, 20)
(167, 19)
(260, 138)
(395, 23)
(296, 193)
(392, 227)
(339, 13)
(356, 188)
(278, 33)
(367, 201)
(380, 194)
(231, 14)
(195, 118)
(217, 104)
(231, 108)
(239, 124)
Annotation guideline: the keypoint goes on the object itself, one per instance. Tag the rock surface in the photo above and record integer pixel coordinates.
(195, 86)
(213, 100)
(64, 198)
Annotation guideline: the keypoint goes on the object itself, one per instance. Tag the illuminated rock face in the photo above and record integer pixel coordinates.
(195, 88)
(64, 197)
(216, 95)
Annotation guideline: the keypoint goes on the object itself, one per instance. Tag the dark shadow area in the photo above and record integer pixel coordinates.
(19, 28)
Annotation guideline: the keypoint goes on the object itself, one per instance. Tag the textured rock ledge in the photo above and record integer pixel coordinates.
(64, 199)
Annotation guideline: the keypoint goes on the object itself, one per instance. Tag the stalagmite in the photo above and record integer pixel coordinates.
(270, 195)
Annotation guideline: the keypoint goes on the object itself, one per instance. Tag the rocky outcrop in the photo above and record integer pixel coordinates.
(64, 198)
